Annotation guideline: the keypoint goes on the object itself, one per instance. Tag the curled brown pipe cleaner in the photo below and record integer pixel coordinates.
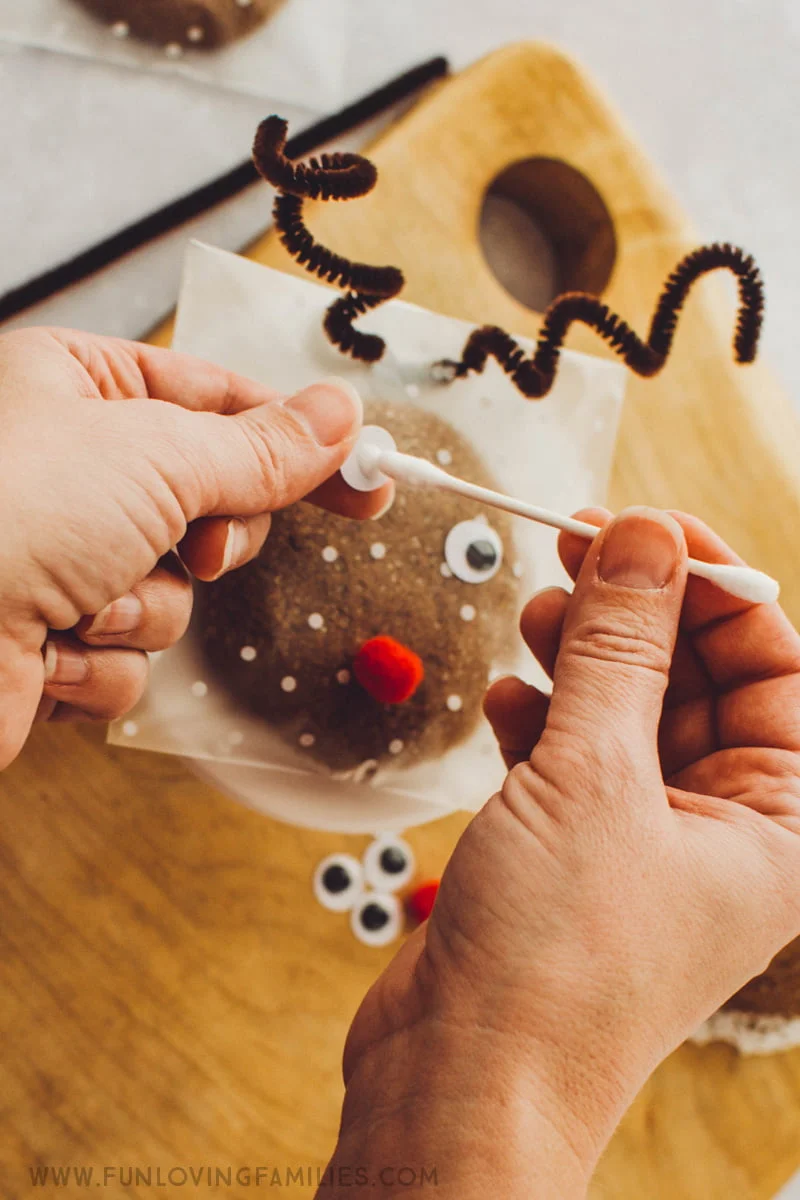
(534, 376)
(329, 177)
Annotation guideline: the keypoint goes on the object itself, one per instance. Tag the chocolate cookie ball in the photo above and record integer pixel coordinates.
(371, 642)
(185, 24)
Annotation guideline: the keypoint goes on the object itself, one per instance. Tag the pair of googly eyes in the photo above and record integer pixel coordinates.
(366, 889)
(473, 551)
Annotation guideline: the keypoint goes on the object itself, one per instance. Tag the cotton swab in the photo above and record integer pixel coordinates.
(375, 461)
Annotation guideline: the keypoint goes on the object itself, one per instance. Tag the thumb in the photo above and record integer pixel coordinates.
(259, 459)
(619, 636)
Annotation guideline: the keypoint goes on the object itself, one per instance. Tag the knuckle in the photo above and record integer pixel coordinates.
(271, 458)
(526, 785)
(604, 637)
(521, 781)
(594, 762)
(566, 760)
(535, 799)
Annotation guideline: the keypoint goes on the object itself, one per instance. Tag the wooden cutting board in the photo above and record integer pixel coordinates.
(171, 996)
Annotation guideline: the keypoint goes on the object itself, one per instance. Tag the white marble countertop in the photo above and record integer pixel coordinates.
(709, 89)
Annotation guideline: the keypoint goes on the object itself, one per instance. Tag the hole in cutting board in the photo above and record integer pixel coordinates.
(544, 229)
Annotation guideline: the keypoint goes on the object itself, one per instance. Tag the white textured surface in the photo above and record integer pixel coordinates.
(707, 89)
(791, 1191)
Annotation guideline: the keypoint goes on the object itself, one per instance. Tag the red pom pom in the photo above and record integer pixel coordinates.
(420, 902)
(388, 670)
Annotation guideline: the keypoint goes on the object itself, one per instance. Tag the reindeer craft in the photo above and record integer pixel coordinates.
(370, 643)
(348, 176)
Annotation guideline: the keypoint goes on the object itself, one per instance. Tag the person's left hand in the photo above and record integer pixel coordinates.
(113, 453)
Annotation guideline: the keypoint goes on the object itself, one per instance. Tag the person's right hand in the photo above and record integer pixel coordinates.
(639, 865)
(112, 453)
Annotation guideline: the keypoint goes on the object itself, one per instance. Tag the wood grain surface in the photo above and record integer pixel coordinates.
(171, 994)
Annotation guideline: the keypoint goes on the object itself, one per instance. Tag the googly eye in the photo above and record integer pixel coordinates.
(388, 864)
(473, 551)
(338, 882)
(377, 919)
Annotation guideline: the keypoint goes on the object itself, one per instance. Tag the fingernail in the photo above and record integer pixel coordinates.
(640, 549)
(236, 545)
(332, 409)
(64, 664)
(501, 679)
(123, 616)
(551, 587)
(383, 511)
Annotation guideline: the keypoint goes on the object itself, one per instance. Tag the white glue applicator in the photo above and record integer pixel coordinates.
(376, 460)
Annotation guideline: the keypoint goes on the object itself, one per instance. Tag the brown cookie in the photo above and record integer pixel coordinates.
(183, 24)
(282, 634)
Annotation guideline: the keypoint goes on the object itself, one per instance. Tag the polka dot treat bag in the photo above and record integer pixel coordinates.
(337, 681)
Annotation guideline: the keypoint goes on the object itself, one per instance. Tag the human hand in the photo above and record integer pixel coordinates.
(113, 453)
(638, 866)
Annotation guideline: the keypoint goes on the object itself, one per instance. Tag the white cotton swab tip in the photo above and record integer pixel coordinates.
(376, 459)
(368, 458)
(744, 582)
(362, 470)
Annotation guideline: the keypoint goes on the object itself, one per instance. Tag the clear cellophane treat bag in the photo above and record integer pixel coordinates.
(285, 689)
(291, 51)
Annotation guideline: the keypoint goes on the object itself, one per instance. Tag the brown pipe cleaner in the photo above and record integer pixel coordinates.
(348, 176)
(329, 177)
(534, 376)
